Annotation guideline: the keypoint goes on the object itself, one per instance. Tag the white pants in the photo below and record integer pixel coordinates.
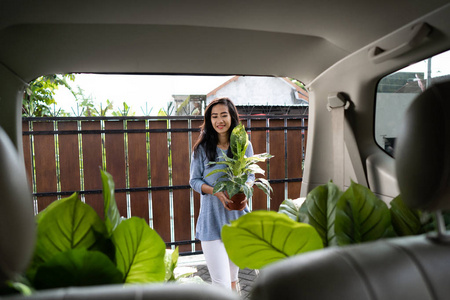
(221, 269)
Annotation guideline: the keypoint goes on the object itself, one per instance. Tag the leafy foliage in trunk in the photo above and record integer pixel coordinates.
(76, 248)
(356, 215)
(361, 217)
(327, 217)
(319, 211)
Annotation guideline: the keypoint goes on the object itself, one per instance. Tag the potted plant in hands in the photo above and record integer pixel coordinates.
(237, 170)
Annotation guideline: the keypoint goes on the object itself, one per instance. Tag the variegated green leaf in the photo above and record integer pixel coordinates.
(238, 140)
(289, 208)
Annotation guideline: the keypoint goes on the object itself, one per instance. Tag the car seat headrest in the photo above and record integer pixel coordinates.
(17, 223)
(422, 154)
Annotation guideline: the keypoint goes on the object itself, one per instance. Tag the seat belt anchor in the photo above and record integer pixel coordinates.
(337, 100)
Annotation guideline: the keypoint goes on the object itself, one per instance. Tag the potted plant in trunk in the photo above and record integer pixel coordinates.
(237, 170)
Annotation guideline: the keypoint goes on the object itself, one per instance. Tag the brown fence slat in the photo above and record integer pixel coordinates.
(115, 162)
(259, 142)
(159, 155)
(194, 137)
(277, 163)
(181, 198)
(69, 162)
(44, 150)
(26, 145)
(92, 163)
(137, 164)
(294, 158)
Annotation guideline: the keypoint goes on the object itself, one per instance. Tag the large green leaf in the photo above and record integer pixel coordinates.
(139, 251)
(112, 215)
(319, 210)
(77, 268)
(54, 205)
(404, 220)
(263, 237)
(68, 224)
(361, 217)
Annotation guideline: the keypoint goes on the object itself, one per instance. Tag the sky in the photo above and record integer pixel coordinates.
(440, 65)
(136, 90)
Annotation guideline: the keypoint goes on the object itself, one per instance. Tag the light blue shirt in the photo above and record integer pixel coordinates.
(213, 216)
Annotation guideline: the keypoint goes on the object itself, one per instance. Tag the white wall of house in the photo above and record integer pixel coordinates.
(250, 90)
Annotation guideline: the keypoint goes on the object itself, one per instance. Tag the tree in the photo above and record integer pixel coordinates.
(103, 110)
(39, 95)
(298, 83)
(85, 104)
(167, 111)
(126, 111)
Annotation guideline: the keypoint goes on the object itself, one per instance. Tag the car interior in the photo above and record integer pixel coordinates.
(342, 51)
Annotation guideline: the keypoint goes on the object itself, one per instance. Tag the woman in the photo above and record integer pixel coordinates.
(220, 118)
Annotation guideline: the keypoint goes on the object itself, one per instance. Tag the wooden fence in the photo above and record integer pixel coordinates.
(149, 159)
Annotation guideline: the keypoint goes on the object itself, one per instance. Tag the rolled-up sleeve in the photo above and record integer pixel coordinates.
(196, 172)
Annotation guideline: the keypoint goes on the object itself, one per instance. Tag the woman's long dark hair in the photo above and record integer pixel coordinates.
(208, 137)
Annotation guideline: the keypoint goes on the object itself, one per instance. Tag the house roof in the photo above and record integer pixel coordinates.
(214, 91)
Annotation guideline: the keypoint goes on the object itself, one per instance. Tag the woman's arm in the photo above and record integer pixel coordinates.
(207, 189)
(196, 180)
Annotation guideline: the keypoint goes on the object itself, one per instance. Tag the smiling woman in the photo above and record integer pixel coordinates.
(221, 117)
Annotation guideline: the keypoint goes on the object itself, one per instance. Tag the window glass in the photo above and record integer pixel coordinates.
(396, 91)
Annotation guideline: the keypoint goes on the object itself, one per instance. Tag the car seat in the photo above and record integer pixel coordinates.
(414, 267)
(17, 239)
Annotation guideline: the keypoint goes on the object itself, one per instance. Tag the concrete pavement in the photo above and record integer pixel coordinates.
(246, 276)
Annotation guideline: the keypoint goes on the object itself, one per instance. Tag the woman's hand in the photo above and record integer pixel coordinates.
(223, 197)
(242, 202)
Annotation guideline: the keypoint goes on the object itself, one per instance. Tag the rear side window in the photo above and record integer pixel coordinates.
(396, 91)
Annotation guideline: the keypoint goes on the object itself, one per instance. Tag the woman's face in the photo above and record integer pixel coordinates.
(220, 118)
